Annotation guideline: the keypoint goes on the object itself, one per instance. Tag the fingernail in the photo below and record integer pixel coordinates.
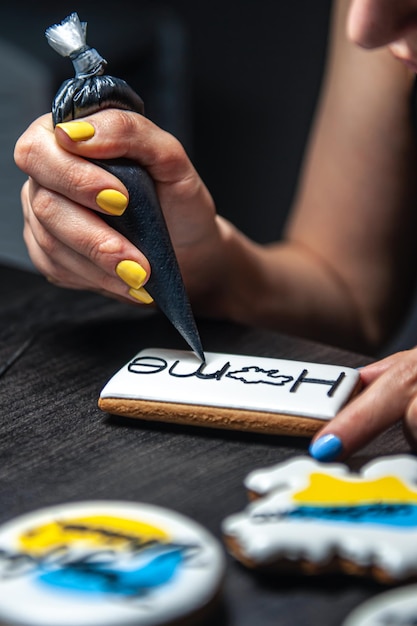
(77, 131)
(326, 448)
(142, 295)
(131, 273)
(112, 201)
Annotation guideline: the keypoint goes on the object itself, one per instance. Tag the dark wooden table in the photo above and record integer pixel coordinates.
(57, 446)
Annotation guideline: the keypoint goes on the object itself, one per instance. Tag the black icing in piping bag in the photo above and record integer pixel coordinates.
(142, 222)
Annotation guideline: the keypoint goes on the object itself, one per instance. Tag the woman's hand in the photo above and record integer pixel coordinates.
(389, 395)
(65, 194)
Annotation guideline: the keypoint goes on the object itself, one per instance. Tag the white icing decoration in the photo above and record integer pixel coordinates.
(266, 532)
(397, 607)
(168, 592)
(401, 465)
(235, 381)
(293, 474)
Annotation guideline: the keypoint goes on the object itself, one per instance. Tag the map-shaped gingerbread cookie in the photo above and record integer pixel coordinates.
(312, 517)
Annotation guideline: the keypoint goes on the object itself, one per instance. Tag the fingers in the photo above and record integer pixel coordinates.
(57, 161)
(74, 248)
(114, 133)
(69, 243)
(129, 135)
(389, 395)
(370, 372)
(39, 155)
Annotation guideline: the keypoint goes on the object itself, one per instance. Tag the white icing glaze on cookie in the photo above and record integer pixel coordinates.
(235, 381)
(392, 608)
(106, 564)
(402, 465)
(293, 474)
(320, 512)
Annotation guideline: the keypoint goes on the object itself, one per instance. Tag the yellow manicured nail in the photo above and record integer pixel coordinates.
(142, 295)
(112, 201)
(131, 273)
(77, 131)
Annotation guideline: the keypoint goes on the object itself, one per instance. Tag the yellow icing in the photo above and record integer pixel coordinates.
(324, 489)
(93, 531)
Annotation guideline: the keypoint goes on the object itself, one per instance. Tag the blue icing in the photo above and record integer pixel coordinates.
(90, 577)
(404, 515)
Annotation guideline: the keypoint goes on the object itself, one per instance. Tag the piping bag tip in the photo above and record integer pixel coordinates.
(198, 351)
(144, 225)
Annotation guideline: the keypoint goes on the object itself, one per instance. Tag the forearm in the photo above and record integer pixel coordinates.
(284, 287)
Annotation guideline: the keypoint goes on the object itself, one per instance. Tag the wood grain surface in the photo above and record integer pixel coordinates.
(60, 347)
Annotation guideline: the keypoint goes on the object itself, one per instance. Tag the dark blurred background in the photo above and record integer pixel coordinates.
(236, 81)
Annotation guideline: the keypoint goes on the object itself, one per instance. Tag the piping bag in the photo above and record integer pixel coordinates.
(143, 223)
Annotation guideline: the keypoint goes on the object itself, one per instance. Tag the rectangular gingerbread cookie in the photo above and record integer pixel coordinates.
(231, 391)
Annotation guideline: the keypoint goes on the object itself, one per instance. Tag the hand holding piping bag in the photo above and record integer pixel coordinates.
(142, 222)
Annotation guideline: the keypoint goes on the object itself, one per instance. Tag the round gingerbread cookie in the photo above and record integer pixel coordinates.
(392, 608)
(106, 563)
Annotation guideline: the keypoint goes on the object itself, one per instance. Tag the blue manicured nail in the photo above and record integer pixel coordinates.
(326, 448)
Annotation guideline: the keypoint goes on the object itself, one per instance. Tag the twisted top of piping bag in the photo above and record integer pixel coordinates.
(90, 90)
(69, 39)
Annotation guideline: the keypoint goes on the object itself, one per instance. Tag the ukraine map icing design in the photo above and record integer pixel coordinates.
(306, 509)
(115, 563)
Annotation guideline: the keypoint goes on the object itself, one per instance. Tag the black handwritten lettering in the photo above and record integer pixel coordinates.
(248, 375)
(253, 375)
(200, 373)
(147, 365)
(334, 384)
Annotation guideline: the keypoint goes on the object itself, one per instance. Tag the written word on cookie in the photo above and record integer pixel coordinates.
(229, 391)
